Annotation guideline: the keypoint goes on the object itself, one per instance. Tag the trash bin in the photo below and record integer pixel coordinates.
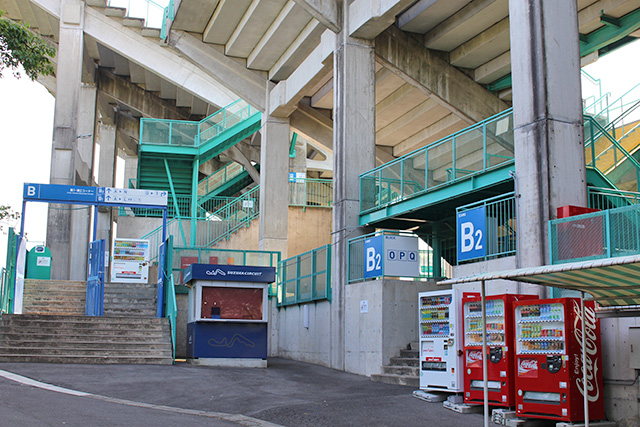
(39, 263)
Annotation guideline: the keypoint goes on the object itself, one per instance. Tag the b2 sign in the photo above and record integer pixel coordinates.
(391, 256)
(471, 234)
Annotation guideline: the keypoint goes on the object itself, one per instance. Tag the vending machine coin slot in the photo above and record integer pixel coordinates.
(495, 354)
(554, 363)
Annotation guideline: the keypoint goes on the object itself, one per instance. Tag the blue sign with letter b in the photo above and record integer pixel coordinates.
(373, 262)
(471, 232)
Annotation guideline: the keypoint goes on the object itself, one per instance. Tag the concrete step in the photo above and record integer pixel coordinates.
(54, 284)
(129, 312)
(396, 379)
(405, 361)
(129, 360)
(412, 354)
(81, 339)
(401, 370)
(74, 336)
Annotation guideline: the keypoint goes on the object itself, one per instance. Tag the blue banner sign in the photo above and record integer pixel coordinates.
(63, 193)
(373, 262)
(228, 273)
(471, 232)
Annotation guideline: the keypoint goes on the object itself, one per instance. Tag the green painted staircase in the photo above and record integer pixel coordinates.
(170, 151)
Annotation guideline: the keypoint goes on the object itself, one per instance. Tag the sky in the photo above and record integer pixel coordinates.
(26, 129)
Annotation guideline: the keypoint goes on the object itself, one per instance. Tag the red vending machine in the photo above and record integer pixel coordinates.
(500, 348)
(549, 379)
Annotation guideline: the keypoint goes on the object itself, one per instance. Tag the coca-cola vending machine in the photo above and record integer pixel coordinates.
(500, 348)
(440, 337)
(549, 378)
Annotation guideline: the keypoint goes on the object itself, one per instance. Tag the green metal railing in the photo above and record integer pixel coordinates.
(305, 277)
(598, 235)
(219, 177)
(184, 256)
(468, 152)
(194, 134)
(5, 291)
(500, 225)
(604, 153)
(150, 11)
(308, 192)
(428, 258)
(606, 198)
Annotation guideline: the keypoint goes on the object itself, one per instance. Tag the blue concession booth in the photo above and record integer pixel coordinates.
(228, 314)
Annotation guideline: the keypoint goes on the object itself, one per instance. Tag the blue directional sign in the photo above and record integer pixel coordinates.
(471, 230)
(373, 262)
(63, 193)
(55, 193)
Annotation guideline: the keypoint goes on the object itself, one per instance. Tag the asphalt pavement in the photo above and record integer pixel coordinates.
(287, 393)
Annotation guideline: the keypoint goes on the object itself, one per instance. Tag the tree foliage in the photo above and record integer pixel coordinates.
(8, 216)
(20, 46)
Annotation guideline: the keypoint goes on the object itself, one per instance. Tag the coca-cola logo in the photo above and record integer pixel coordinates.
(591, 350)
(527, 365)
(474, 357)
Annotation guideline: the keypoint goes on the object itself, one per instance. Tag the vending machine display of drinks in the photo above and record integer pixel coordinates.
(549, 378)
(440, 337)
(500, 363)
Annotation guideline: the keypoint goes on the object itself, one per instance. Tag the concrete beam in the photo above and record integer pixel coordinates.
(489, 44)
(146, 103)
(254, 23)
(441, 128)
(128, 43)
(457, 29)
(326, 12)
(289, 23)
(284, 97)
(238, 156)
(224, 20)
(426, 14)
(297, 51)
(429, 72)
(243, 83)
(314, 125)
(494, 69)
(419, 114)
(369, 18)
(127, 134)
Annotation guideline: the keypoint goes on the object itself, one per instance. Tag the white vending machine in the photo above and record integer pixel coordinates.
(441, 340)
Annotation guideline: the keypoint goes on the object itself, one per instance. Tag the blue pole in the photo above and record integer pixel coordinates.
(95, 223)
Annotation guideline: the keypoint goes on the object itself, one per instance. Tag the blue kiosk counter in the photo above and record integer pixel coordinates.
(227, 314)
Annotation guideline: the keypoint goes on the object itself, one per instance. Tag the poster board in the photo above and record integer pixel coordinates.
(130, 261)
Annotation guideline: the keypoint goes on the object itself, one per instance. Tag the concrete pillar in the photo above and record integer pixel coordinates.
(549, 146)
(354, 153)
(65, 132)
(274, 181)
(106, 138)
(81, 215)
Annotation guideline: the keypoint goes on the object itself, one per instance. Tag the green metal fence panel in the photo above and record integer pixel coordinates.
(308, 192)
(466, 153)
(8, 274)
(606, 198)
(598, 235)
(305, 277)
(500, 225)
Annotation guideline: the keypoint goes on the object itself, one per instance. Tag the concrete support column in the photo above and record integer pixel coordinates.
(65, 132)
(274, 182)
(106, 138)
(549, 146)
(81, 215)
(354, 153)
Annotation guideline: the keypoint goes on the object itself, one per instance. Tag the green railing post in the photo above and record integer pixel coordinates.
(607, 230)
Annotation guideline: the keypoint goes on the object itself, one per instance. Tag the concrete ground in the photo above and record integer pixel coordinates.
(287, 393)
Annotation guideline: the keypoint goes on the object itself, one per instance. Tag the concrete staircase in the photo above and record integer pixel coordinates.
(129, 300)
(402, 370)
(80, 339)
(59, 297)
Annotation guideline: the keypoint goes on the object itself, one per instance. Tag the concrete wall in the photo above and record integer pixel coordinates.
(182, 301)
(293, 338)
(621, 389)
(390, 323)
(132, 227)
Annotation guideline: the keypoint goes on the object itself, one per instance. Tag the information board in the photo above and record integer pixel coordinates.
(130, 261)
